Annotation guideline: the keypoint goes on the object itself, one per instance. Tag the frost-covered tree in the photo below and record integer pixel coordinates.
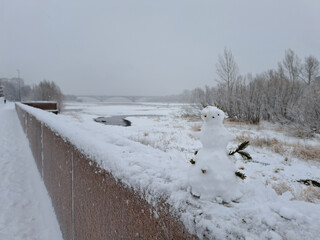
(276, 95)
(47, 91)
(26, 92)
(310, 69)
(227, 69)
(227, 72)
(198, 96)
(292, 65)
(10, 92)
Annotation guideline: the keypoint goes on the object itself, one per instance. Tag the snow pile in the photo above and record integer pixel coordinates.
(212, 173)
(160, 171)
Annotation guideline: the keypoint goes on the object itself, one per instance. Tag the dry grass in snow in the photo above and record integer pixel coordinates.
(297, 150)
(307, 194)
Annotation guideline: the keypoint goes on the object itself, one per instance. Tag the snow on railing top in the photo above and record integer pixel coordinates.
(39, 101)
(149, 170)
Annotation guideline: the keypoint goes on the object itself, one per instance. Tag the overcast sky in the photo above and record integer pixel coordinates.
(148, 47)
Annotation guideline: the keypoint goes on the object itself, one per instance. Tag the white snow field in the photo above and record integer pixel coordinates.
(26, 212)
(153, 154)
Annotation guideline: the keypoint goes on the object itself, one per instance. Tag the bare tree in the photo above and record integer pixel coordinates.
(310, 69)
(276, 95)
(227, 69)
(26, 92)
(48, 91)
(198, 96)
(9, 91)
(292, 65)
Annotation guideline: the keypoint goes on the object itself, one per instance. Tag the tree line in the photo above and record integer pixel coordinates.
(289, 94)
(15, 90)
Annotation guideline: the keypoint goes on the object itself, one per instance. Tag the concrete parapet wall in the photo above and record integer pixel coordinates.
(89, 203)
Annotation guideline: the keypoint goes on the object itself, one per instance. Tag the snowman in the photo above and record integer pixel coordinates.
(212, 174)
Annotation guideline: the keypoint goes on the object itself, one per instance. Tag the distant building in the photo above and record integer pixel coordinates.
(1, 91)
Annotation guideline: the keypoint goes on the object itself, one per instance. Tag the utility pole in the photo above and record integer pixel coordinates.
(19, 84)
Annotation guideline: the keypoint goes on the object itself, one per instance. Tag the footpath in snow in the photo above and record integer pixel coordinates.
(26, 211)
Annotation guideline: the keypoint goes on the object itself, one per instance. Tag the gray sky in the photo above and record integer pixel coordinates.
(148, 47)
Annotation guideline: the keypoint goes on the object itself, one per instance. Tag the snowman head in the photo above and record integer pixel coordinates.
(212, 115)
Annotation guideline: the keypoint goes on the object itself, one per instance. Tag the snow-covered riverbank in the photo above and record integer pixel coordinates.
(153, 154)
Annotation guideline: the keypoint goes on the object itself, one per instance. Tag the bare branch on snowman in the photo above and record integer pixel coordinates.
(245, 155)
(240, 175)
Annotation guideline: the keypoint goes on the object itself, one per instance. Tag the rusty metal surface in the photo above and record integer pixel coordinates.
(48, 106)
(89, 202)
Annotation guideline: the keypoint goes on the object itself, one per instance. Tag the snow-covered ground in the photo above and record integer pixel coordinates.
(153, 156)
(26, 212)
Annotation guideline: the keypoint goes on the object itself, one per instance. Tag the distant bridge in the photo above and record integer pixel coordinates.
(117, 98)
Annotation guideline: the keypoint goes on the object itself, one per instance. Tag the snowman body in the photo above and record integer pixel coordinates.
(213, 174)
